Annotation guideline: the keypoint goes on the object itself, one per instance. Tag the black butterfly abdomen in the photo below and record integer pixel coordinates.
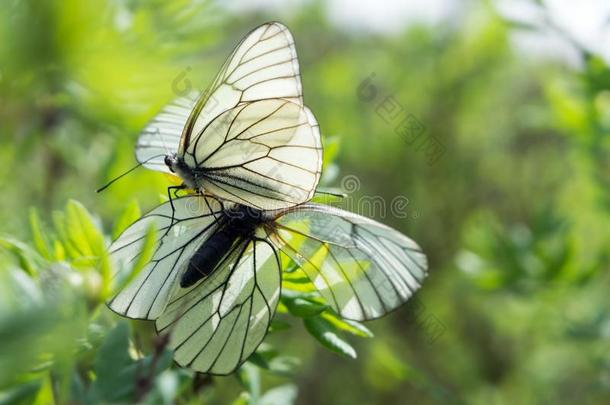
(237, 226)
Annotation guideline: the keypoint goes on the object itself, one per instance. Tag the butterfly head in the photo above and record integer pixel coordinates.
(171, 161)
(177, 166)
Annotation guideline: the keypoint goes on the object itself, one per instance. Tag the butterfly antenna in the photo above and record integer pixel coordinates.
(162, 139)
(99, 190)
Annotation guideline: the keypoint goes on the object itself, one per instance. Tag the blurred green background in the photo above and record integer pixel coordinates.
(492, 154)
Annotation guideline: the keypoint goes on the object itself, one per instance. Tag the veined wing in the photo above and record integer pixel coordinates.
(162, 135)
(266, 154)
(363, 269)
(147, 295)
(218, 323)
(264, 65)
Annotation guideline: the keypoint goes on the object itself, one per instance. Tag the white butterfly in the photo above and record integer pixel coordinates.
(214, 279)
(248, 139)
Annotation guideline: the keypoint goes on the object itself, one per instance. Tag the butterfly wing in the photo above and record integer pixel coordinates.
(266, 154)
(363, 269)
(264, 65)
(218, 323)
(147, 293)
(162, 135)
(261, 73)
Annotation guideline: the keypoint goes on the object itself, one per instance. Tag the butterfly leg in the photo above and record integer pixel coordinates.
(171, 203)
(205, 198)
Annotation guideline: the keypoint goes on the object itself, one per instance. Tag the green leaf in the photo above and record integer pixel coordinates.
(130, 214)
(118, 374)
(297, 280)
(87, 241)
(46, 394)
(21, 394)
(41, 243)
(303, 308)
(325, 333)
(328, 196)
(349, 326)
(289, 266)
(258, 359)
(26, 257)
(242, 399)
(278, 326)
(296, 277)
(268, 358)
(284, 365)
(59, 252)
(263, 354)
(250, 378)
(331, 149)
(112, 364)
(81, 231)
(282, 395)
(78, 390)
(287, 293)
(59, 222)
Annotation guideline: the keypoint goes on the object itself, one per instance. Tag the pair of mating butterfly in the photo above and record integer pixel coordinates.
(252, 151)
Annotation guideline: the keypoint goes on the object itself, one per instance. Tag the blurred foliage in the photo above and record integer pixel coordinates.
(56, 296)
(514, 214)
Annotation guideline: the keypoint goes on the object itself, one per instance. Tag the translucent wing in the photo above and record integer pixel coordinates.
(363, 269)
(147, 295)
(218, 323)
(265, 154)
(162, 134)
(264, 65)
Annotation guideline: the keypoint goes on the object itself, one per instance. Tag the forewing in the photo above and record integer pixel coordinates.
(162, 134)
(147, 294)
(264, 65)
(363, 269)
(266, 154)
(217, 324)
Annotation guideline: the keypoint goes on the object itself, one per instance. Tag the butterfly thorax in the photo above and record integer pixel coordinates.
(178, 166)
(244, 218)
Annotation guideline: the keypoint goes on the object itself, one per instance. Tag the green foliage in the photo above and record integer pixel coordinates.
(321, 322)
(127, 217)
(514, 216)
(110, 369)
(325, 333)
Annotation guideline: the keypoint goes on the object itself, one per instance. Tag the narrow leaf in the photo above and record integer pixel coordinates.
(353, 327)
(325, 333)
(27, 258)
(42, 245)
(304, 308)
